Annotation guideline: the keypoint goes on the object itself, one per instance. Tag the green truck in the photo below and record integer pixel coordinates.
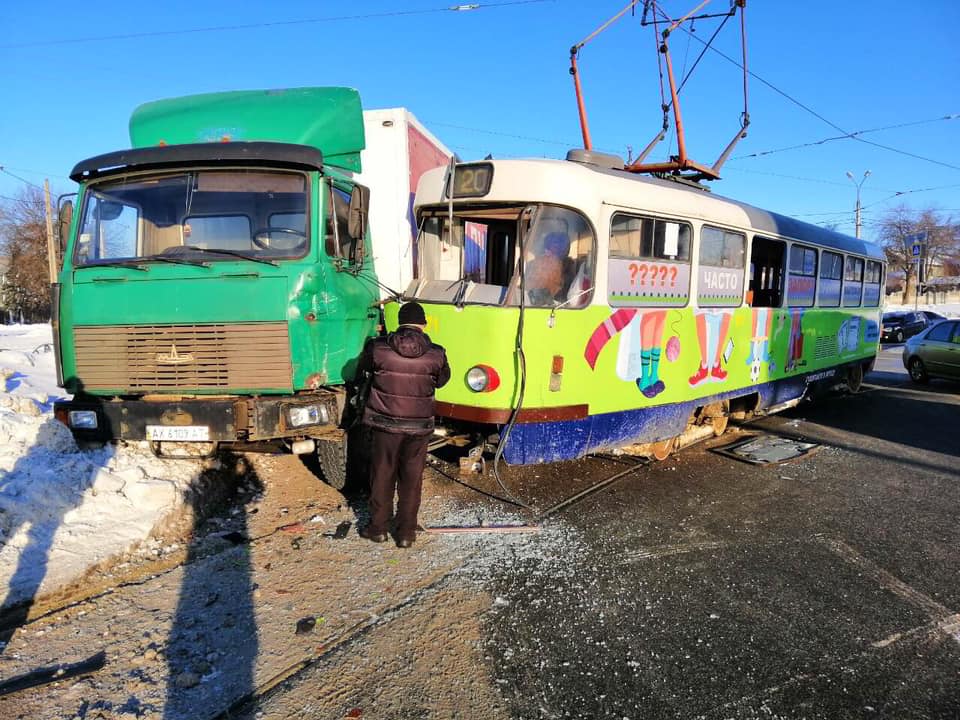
(217, 284)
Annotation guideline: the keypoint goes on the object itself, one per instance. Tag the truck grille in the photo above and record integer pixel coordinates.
(168, 358)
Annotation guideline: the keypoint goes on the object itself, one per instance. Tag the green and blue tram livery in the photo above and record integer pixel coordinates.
(591, 308)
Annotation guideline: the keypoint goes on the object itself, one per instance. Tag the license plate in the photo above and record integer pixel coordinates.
(178, 433)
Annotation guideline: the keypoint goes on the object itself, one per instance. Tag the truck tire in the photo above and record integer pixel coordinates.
(332, 456)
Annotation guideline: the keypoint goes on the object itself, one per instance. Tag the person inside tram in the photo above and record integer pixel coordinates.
(548, 274)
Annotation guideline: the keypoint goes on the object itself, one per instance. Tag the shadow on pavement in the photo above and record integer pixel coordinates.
(212, 647)
(892, 414)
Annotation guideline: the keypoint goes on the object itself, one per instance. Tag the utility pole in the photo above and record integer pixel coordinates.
(51, 241)
(858, 186)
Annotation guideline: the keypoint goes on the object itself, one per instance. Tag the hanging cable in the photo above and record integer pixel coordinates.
(522, 367)
(23, 180)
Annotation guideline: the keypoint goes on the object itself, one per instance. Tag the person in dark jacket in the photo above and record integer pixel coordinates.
(405, 368)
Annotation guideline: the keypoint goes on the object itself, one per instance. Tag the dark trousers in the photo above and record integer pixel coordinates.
(396, 465)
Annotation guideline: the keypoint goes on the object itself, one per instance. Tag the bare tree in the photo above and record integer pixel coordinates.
(23, 242)
(899, 230)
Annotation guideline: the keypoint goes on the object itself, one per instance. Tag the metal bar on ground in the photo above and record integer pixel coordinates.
(449, 529)
(53, 673)
(589, 491)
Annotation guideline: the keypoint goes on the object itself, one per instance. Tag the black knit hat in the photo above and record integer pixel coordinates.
(412, 313)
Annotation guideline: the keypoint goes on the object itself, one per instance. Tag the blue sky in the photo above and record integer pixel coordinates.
(495, 80)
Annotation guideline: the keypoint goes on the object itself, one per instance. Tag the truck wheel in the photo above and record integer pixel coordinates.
(332, 456)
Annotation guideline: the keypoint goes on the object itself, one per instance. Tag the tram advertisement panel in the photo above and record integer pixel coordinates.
(648, 282)
(801, 289)
(719, 286)
(829, 292)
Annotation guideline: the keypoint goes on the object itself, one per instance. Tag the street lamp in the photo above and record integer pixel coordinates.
(858, 185)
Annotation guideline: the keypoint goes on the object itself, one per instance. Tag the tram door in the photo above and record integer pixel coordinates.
(766, 272)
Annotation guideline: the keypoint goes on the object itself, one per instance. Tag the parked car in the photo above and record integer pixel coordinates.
(934, 352)
(932, 317)
(898, 326)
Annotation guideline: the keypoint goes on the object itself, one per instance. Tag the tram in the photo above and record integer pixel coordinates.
(585, 308)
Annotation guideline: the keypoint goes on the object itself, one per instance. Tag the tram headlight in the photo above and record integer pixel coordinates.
(482, 378)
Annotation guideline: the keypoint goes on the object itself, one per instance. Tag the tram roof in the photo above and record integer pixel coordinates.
(619, 188)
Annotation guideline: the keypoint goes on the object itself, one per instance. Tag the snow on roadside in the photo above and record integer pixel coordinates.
(64, 510)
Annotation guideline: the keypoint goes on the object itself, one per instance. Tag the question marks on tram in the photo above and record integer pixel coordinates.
(673, 276)
(663, 274)
(640, 270)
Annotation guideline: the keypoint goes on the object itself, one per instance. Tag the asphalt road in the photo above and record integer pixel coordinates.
(705, 587)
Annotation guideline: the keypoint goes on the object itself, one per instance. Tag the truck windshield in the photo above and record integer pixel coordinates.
(479, 262)
(256, 214)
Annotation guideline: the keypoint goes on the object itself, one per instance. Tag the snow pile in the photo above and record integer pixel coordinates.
(64, 510)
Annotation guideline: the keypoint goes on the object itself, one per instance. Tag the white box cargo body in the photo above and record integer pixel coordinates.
(399, 150)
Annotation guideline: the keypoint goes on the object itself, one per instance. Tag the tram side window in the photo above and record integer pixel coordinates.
(802, 278)
(831, 279)
(873, 281)
(766, 272)
(649, 262)
(648, 238)
(852, 281)
(720, 271)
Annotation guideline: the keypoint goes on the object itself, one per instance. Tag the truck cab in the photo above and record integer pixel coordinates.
(217, 284)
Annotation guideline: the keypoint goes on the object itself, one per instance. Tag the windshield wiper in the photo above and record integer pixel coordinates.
(132, 263)
(231, 253)
(176, 260)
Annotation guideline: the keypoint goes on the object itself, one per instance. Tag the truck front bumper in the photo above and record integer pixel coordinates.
(244, 419)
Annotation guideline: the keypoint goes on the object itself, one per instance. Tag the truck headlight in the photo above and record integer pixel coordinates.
(301, 415)
(82, 419)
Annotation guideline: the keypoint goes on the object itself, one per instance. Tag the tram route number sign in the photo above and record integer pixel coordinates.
(472, 180)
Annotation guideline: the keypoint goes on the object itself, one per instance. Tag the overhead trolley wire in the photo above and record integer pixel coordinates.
(277, 23)
(813, 112)
(23, 180)
(848, 136)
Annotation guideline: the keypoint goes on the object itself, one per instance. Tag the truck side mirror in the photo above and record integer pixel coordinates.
(357, 220)
(65, 216)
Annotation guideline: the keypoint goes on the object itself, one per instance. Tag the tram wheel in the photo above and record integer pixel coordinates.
(855, 377)
(661, 450)
(717, 415)
(719, 424)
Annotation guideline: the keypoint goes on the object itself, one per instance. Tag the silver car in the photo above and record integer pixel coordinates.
(935, 352)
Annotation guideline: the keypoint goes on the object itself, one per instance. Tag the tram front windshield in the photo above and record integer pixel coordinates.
(480, 261)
